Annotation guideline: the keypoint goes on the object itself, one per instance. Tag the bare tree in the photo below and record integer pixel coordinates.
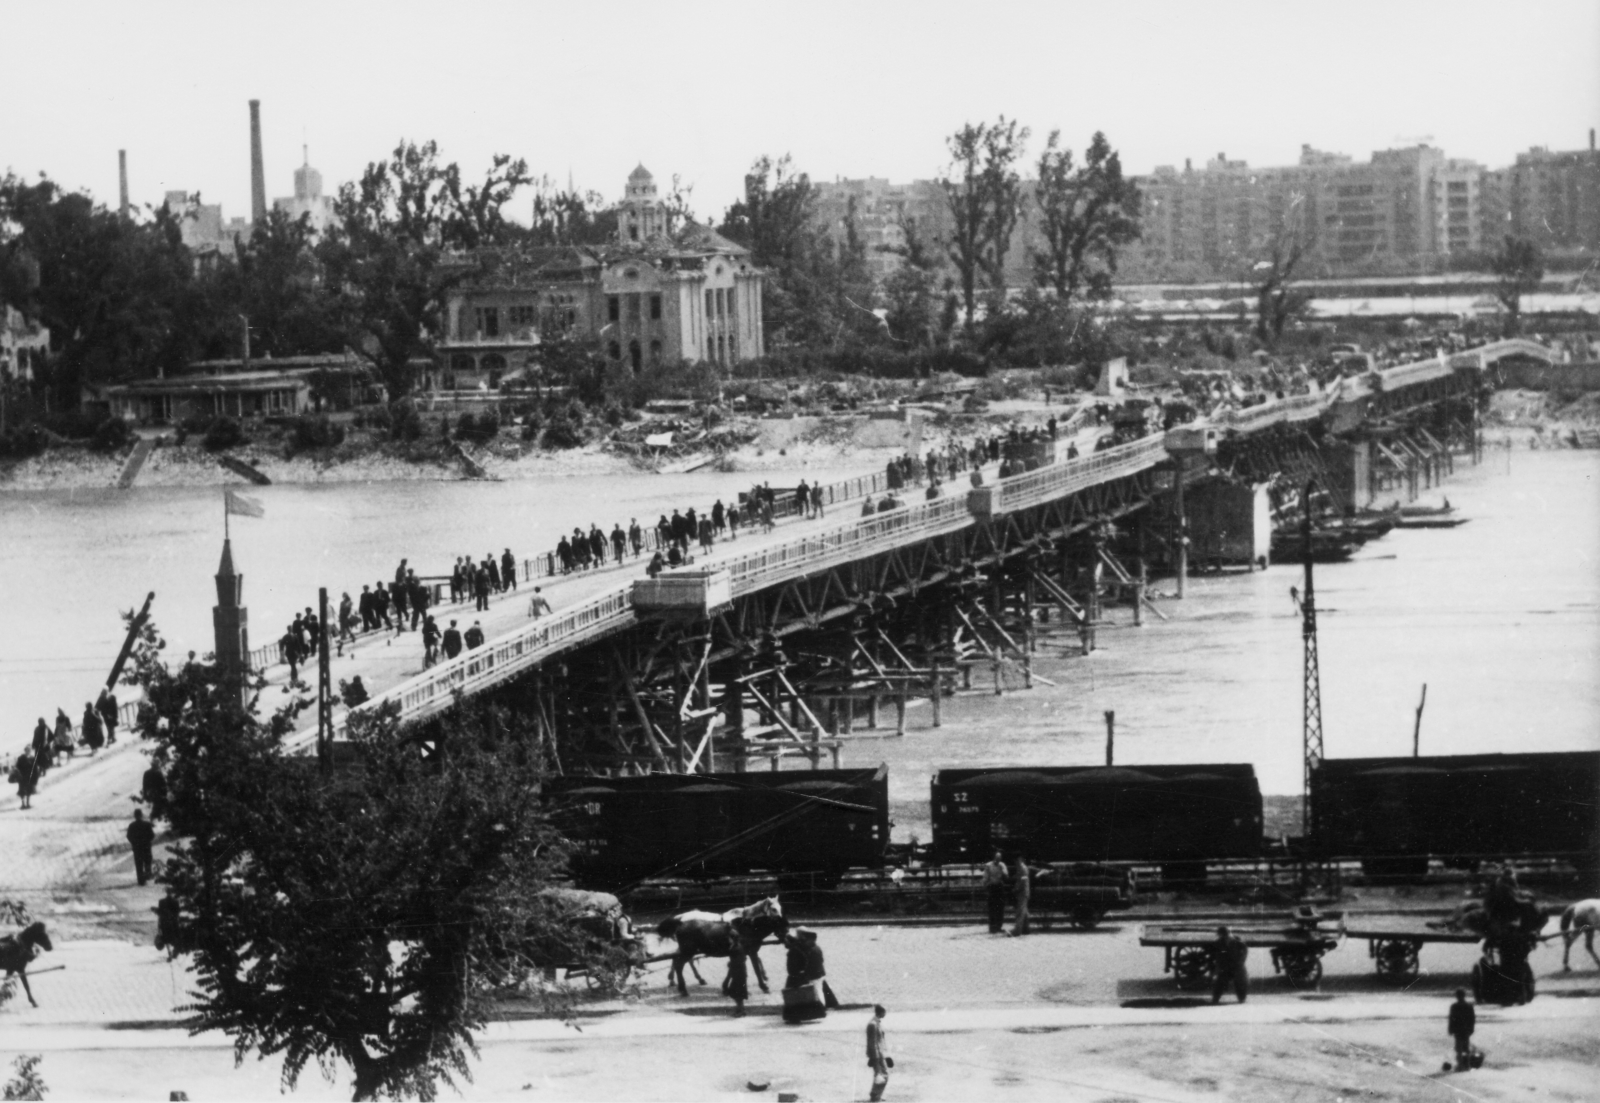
(1519, 266)
(1002, 149)
(1287, 246)
(1088, 213)
(984, 194)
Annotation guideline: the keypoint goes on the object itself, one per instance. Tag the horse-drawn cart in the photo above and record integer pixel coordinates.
(1296, 948)
(589, 936)
(1394, 945)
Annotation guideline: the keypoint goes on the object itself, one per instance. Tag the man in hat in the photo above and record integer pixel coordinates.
(1228, 955)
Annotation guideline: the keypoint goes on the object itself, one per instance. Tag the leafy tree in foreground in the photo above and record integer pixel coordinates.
(1520, 266)
(984, 196)
(364, 918)
(1087, 214)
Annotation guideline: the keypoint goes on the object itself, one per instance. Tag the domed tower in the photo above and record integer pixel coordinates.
(641, 217)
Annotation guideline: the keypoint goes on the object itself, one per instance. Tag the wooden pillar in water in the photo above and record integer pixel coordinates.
(733, 711)
(938, 688)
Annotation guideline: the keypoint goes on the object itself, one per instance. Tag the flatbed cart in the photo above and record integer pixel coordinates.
(1394, 946)
(1296, 948)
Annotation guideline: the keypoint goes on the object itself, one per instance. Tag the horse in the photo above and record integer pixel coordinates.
(1582, 918)
(17, 950)
(708, 934)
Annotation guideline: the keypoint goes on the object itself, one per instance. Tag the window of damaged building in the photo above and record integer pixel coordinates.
(655, 308)
(635, 308)
(613, 309)
(488, 321)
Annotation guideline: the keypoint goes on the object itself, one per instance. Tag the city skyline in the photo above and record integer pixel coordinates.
(1189, 84)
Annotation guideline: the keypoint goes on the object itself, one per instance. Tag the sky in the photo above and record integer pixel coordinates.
(584, 91)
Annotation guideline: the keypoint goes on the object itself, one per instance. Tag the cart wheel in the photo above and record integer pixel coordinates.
(1086, 919)
(1192, 967)
(1302, 970)
(1396, 958)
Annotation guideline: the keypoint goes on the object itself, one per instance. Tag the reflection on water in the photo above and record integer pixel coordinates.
(1500, 617)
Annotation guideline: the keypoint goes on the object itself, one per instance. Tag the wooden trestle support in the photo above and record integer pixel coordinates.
(802, 669)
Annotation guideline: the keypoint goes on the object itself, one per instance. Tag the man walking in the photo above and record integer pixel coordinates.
(451, 641)
(994, 883)
(106, 706)
(1463, 1021)
(1228, 955)
(141, 837)
(878, 1058)
(508, 570)
(480, 588)
(474, 636)
(538, 606)
(430, 642)
(635, 537)
(619, 542)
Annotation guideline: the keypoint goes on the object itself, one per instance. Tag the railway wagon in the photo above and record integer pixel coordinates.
(1174, 815)
(793, 822)
(1395, 813)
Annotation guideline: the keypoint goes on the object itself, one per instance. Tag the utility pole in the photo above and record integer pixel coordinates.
(1311, 713)
(1416, 731)
(324, 696)
(1183, 526)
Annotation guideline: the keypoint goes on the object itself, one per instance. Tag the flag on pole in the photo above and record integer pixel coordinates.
(244, 506)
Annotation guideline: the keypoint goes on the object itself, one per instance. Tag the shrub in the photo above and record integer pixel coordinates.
(223, 433)
(24, 441)
(561, 432)
(477, 430)
(73, 424)
(530, 428)
(112, 436)
(405, 424)
(613, 414)
(309, 433)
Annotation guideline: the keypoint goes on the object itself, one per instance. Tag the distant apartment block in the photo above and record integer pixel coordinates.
(1401, 211)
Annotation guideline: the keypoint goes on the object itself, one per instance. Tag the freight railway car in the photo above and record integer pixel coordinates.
(1396, 813)
(715, 825)
(1177, 816)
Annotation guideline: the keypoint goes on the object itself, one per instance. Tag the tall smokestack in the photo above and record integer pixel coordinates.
(258, 173)
(1591, 139)
(122, 176)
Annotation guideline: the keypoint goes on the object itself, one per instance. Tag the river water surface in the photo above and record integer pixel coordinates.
(1500, 617)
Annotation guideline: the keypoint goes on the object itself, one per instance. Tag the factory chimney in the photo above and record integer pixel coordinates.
(122, 176)
(258, 172)
(1591, 139)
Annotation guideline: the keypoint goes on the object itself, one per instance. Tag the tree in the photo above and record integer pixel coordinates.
(984, 203)
(1087, 215)
(1285, 248)
(1520, 267)
(567, 218)
(911, 291)
(365, 917)
(276, 282)
(117, 294)
(815, 294)
(388, 259)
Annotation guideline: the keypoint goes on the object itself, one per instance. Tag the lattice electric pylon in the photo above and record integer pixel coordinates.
(1311, 712)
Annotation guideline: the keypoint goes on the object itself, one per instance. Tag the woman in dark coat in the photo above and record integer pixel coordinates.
(26, 774)
(93, 734)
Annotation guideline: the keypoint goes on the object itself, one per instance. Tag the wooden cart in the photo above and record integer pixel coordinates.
(1296, 948)
(1394, 946)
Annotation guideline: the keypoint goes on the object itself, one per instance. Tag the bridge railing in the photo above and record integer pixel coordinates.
(498, 659)
(1070, 476)
(1297, 407)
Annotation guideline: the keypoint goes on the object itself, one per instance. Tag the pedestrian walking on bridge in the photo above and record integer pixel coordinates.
(93, 733)
(107, 707)
(25, 775)
(508, 570)
(1022, 886)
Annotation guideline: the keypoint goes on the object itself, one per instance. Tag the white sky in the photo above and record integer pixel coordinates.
(701, 89)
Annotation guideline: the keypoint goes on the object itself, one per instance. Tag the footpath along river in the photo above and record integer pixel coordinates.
(1501, 617)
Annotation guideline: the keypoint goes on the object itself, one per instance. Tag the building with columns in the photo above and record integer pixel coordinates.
(658, 295)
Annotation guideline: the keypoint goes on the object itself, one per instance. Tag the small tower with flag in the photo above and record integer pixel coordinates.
(229, 618)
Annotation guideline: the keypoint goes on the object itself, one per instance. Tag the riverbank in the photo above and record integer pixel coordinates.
(785, 444)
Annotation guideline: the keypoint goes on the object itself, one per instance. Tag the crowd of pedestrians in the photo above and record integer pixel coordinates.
(52, 742)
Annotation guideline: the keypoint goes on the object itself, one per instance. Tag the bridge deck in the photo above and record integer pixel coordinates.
(602, 604)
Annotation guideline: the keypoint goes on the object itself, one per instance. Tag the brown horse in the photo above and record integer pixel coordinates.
(708, 934)
(17, 950)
